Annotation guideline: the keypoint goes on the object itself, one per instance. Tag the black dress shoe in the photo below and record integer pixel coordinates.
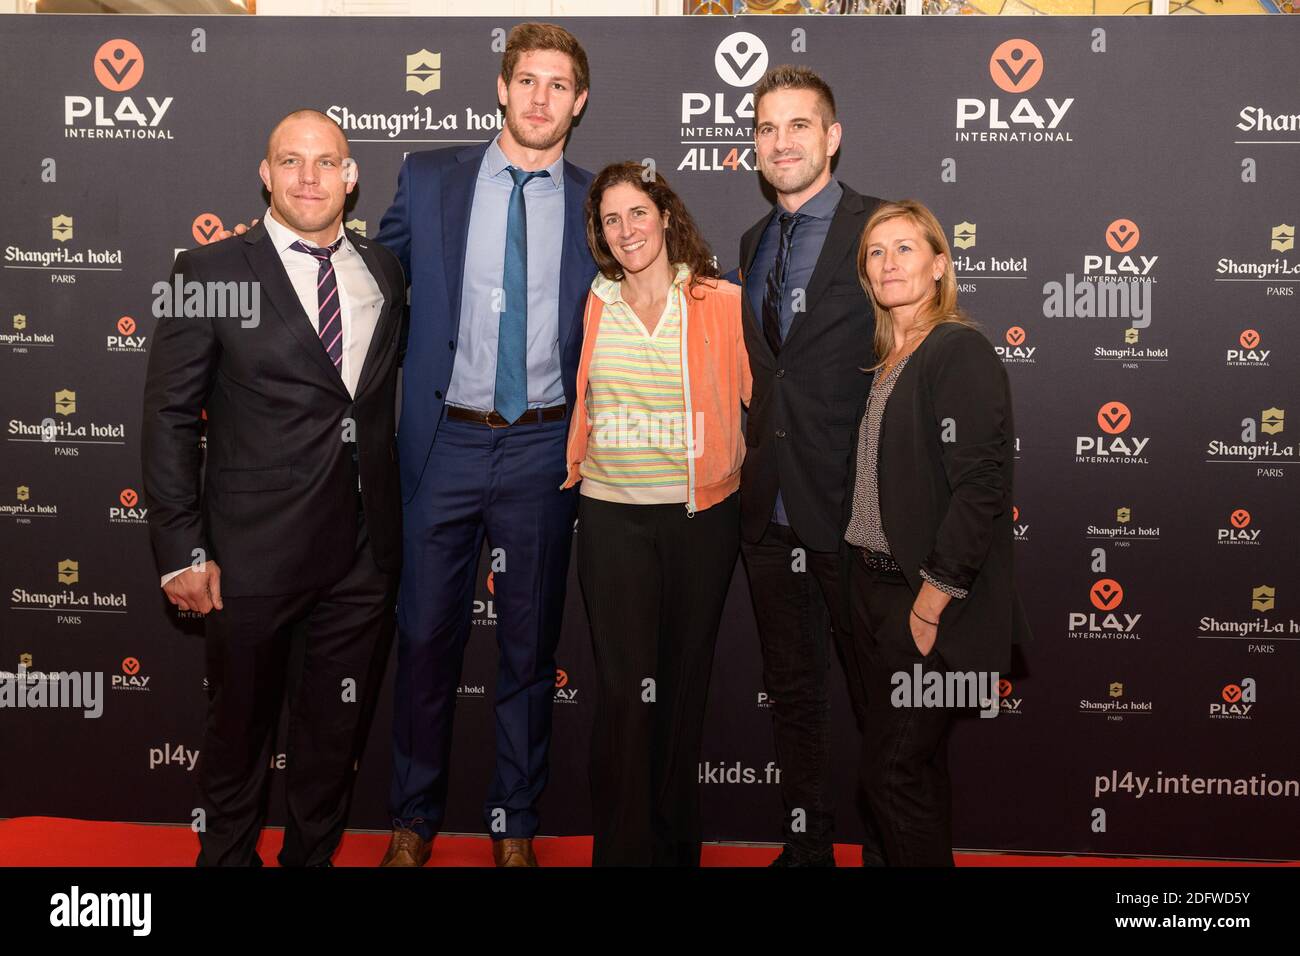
(788, 858)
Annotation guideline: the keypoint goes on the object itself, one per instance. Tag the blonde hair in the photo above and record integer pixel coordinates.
(939, 309)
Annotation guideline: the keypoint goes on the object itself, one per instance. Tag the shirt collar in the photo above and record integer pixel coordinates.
(610, 291)
(495, 163)
(284, 237)
(822, 205)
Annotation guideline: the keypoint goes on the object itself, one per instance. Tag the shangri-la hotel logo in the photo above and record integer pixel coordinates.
(61, 228)
(1282, 238)
(423, 72)
(1262, 598)
(69, 571)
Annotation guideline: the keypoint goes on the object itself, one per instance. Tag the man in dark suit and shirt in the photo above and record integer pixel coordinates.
(488, 380)
(296, 521)
(808, 329)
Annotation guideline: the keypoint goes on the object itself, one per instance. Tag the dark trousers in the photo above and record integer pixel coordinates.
(798, 602)
(904, 769)
(502, 484)
(654, 580)
(347, 629)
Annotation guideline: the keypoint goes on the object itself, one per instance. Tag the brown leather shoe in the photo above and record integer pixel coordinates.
(407, 848)
(513, 852)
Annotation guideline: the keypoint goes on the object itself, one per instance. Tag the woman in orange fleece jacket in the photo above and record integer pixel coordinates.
(656, 441)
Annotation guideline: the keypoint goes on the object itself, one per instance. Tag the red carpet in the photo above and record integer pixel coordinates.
(51, 841)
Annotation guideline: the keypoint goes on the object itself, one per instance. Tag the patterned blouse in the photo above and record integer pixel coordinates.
(866, 530)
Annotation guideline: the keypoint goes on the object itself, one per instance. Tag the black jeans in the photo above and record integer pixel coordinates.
(904, 768)
(654, 581)
(798, 601)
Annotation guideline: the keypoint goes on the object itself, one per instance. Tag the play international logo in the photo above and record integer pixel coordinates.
(1106, 594)
(1105, 621)
(740, 59)
(1017, 351)
(1114, 418)
(1122, 235)
(205, 227)
(1250, 353)
(119, 65)
(423, 72)
(1016, 66)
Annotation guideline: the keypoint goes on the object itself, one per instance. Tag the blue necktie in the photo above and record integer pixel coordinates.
(512, 343)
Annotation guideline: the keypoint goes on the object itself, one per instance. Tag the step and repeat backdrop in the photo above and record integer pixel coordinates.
(1122, 199)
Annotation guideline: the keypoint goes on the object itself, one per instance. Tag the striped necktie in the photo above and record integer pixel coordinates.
(329, 318)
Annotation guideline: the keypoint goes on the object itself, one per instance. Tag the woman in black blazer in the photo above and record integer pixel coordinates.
(929, 528)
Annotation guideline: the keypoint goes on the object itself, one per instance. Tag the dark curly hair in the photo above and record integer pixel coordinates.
(685, 244)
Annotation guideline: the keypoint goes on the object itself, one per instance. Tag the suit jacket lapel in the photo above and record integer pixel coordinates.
(841, 240)
(457, 199)
(749, 244)
(269, 270)
(386, 323)
(573, 288)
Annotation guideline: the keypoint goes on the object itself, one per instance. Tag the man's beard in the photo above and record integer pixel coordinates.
(806, 176)
(536, 139)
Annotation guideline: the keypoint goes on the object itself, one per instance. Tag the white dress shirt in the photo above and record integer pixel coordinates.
(360, 299)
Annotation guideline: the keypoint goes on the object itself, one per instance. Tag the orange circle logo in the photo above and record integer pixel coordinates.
(1240, 518)
(1015, 335)
(128, 497)
(1232, 693)
(126, 325)
(1106, 594)
(1004, 688)
(1122, 235)
(491, 584)
(1249, 339)
(1016, 66)
(130, 665)
(119, 65)
(561, 677)
(206, 226)
(1015, 513)
(1114, 417)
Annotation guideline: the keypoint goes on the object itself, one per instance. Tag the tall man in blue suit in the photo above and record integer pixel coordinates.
(489, 377)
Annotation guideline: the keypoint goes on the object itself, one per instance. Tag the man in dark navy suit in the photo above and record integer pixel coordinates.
(494, 242)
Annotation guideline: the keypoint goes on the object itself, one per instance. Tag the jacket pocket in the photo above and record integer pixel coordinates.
(235, 480)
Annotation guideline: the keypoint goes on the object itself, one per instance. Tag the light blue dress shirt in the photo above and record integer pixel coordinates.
(474, 374)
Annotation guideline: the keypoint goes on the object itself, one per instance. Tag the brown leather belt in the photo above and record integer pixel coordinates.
(493, 419)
